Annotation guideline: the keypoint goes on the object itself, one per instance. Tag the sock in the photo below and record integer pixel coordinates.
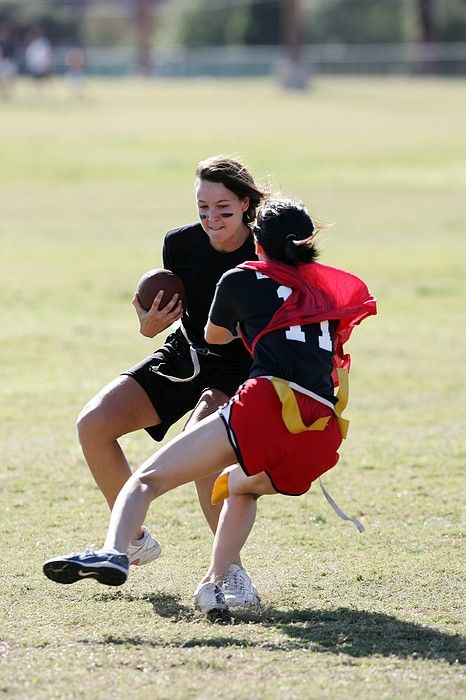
(138, 540)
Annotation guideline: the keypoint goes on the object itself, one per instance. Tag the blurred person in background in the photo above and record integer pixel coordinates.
(8, 59)
(38, 57)
(75, 61)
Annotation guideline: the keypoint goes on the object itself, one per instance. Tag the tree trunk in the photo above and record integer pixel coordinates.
(426, 22)
(144, 22)
(293, 74)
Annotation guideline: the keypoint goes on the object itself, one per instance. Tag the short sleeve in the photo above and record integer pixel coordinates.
(224, 311)
(168, 256)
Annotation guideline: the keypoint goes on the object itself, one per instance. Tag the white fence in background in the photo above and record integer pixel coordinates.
(243, 61)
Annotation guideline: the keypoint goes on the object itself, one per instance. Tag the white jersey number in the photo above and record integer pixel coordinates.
(297, 333)
(325, 339)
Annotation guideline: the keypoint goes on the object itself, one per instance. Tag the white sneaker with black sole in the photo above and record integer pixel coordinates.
(238, 589)
(145, 550)
(209, 599)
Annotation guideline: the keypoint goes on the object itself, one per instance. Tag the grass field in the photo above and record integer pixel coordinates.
(87, 190)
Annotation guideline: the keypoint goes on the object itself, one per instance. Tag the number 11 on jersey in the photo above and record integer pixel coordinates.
(297, 333)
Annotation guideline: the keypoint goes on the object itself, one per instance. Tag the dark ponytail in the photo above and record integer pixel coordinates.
(286, 232)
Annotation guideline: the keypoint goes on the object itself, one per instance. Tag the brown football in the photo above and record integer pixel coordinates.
(158, 279)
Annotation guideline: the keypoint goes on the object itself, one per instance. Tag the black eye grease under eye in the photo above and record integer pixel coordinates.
(226, 215)
(203, 216)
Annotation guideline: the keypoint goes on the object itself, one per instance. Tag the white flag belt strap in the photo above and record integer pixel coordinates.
(338, 510)
(194, 352)
(196, 369)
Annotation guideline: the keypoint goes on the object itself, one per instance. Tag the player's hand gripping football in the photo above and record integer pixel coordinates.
(157, 320)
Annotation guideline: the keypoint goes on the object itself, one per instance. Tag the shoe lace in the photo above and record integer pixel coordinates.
(235, 580)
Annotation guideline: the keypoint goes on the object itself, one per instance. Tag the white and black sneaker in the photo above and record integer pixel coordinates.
(107, 567)
(209, 599)
(238, 589)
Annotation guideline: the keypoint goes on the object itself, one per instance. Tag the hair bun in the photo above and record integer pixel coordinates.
(276, 218)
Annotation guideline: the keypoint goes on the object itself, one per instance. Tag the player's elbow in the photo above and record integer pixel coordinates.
(216, 335)
(209, 334)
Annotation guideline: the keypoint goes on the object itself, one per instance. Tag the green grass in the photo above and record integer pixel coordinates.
(87, 190)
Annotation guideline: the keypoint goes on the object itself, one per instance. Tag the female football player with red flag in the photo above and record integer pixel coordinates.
(283, 427)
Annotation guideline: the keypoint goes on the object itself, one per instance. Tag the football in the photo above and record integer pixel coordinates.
(158, 279)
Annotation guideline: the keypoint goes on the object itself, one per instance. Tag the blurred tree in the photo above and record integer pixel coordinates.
(209, 23)
(358, 21)
(78, 12)
(200, 23)
(426, 20)
(61, 21)
(449, 20)
(204, 24)
(107, 23)
(264, 23)
(440, 22)
(426, 34)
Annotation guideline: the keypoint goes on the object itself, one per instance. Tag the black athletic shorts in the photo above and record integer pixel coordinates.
(173, 399)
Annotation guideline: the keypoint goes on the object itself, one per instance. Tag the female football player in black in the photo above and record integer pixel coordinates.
(283, 426)
(187, 373)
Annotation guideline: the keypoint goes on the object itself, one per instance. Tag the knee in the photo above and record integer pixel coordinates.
(151, 484)
(92, 425)
(214, 398)
(210, 400)
(208, 404)
(253, 486)
(85, 425)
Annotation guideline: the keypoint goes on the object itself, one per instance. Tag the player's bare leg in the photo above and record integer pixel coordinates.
(207, 404)
(192, 455)
(236, 520)
(119, 408)
(188, 457)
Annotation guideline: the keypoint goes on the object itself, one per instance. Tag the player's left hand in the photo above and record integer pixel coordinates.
(157, 320)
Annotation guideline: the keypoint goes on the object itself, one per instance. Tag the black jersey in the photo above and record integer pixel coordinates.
(301, 354)
(187, 252)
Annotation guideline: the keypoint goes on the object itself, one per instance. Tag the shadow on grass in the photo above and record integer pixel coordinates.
(359, 633)
(164, 604)
(348, 631)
